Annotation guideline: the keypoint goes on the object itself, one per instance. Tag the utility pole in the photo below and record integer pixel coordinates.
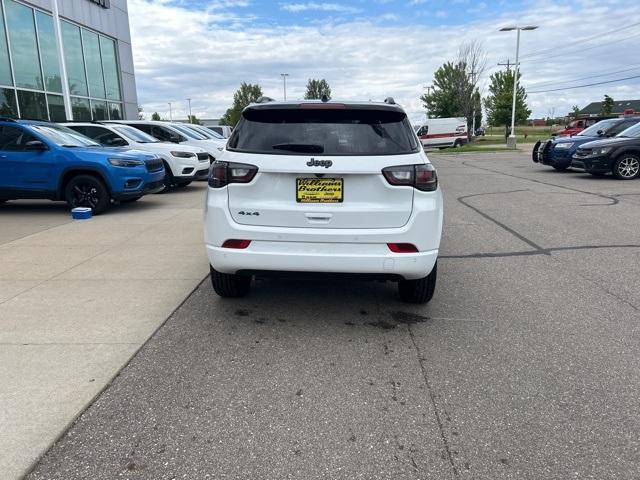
(508, 65)
(190, 117)
(284, 84)
(473, 100)
(66, 95)
(511, 141)
(170, 113)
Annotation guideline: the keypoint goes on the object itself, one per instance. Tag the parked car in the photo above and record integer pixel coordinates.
(223, 130)
(50, 161)
(558, 152)
(205, 132)
(329, 187)
(175, 133)
(619, 155)
(443, 132)
(183, 164)
(576, 126)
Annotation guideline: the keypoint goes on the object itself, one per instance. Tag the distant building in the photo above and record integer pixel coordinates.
(620, 107)
(537, 122)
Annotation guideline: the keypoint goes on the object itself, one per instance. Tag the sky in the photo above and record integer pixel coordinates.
(372, 49)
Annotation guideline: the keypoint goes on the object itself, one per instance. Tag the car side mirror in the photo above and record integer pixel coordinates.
(117, 142)
(35, 145)
(174, 139)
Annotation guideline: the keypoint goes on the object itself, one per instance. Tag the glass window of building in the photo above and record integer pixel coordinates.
(24, 45)
(5, 69)
(91, 47)
(115, 111)
(33, 105)
(48, 52)
(81, 109)
(8, 103)
(56, 108)
(110, 67)
(99, 110)
(73, 59)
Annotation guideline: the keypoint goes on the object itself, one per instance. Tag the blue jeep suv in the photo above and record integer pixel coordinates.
(50, 161)
(557, 152)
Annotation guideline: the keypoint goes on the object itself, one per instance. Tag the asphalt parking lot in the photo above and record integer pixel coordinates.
(525, 365)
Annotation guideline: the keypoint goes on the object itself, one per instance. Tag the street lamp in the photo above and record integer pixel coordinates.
(428, 89)
(189, 100)
(511, 141)
(284, 84)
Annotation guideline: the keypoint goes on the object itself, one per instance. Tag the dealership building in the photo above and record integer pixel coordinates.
(66, 60)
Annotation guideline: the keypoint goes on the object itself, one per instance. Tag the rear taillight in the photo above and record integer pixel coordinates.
(422, 177)
(222, 174)
(235, 243)
(402, 247)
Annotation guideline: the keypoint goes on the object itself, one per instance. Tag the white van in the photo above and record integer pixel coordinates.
(443, 132)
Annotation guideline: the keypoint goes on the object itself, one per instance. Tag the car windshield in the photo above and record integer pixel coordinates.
(63, 136)
(192, 134)
(593, 130)
(206, 132)
(328, 131)
(631, 132)
(135, 134)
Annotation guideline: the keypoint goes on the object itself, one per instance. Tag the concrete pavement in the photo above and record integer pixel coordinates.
(78, 299)
(524, 366)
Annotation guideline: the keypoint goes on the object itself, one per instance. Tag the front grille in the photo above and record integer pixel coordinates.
(154, 165)
(203, 156)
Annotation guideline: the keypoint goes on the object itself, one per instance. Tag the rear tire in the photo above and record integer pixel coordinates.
(229, 285)
(457, 144)
(626, 167)
(419, 291)
(87, 191)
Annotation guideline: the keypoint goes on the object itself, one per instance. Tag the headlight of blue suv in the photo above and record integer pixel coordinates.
(120, 162)
(563, 146)
(183, 154)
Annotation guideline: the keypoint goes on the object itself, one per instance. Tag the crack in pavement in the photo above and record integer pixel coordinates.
(427, 383)
(544, 251)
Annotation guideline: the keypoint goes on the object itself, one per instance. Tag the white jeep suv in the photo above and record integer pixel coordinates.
(328, 187)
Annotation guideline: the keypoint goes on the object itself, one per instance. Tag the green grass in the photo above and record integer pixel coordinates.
(471, 149)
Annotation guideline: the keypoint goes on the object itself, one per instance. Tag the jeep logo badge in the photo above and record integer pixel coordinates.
(319, 163)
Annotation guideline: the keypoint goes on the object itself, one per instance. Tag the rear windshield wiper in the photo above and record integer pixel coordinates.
(299, 147)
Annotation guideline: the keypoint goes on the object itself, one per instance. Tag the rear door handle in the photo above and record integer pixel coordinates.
(319, 217)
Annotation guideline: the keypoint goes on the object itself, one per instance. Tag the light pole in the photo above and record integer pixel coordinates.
(190, 117)
(511, 141)
(473, 74)
(428, 88)
(170, 113)
(284, 84)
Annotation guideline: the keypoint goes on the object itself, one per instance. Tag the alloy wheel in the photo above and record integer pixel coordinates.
(85, 195)
(628, 167)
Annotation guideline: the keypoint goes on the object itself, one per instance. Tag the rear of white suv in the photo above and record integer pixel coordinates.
(324, 187)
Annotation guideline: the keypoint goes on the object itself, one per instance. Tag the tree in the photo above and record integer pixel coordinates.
(607, 105)
(193, 119)
(455, 85)
(316, 89)
(500, 99)
(155, 116)
(575, 111)
(246, 94)
(477, 108)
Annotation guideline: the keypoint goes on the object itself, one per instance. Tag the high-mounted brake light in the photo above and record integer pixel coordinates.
(323, 106)
(402, 247)
(237, 244)
(422, 177)
(222, 174)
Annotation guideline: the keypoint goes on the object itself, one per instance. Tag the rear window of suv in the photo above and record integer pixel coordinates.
(327, 131)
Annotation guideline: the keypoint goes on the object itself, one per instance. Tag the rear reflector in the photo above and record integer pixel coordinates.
(238, 244)
(402, 247)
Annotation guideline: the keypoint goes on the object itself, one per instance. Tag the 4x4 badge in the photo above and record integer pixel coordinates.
(319, 163)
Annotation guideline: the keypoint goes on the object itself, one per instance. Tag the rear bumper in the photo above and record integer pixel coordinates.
(352, 258)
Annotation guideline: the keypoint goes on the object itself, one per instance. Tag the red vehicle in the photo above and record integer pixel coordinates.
(576, 126)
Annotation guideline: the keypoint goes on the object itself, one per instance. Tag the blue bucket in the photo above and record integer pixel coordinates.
(81, 213)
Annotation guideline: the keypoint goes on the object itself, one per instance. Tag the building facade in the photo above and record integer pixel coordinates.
(88, 42)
